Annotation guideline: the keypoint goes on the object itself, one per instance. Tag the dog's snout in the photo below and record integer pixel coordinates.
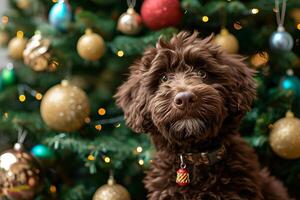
(184, 99)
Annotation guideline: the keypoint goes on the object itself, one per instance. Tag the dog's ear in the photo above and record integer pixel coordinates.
(132, 96)
(243, 90)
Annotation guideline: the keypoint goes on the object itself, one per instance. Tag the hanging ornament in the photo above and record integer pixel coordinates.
(16, 46)
(7, 75)
(227, 41)
(4, 37)
(281, 41)
(285, 137)
(60, 15)
(183, 176)
(65, 107)
(290, 82)
(111, 191)
(44, 154)
(158, 14)
(36, 53)
(21, 177)
(130, 22)
(23, 4)
(90, 46)
(259, 59)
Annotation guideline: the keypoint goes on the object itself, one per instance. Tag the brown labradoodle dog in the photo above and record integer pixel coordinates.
(190, 96)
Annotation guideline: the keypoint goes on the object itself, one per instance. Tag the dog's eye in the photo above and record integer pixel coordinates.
(164, 78)
(202, 74)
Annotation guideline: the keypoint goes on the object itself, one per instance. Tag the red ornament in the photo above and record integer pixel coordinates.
(183, 177)
(157, 14)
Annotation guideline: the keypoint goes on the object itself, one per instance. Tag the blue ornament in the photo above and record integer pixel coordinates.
(291, 83)
(281, 41)
(43, 154)
(60, 15)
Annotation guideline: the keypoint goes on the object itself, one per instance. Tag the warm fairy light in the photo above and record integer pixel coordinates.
(298, 26)
(139, 149)
(98, 127)
(101, 111)
(107, 159)
(254, 11)
(22, 98)
(91, 157)
(20, 34)
(5, 115)
(120, 53)
(54, 1)
(260, 59)
(38, 96)
(52, 189)
(117, 125)
(205, 19)
(141, 162)
(87, 120)
(4, 19)
(237, 26)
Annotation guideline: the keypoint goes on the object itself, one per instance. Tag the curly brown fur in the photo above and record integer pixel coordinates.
(189, 95)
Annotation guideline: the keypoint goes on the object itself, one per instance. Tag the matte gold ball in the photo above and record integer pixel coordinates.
(130, 22)
(227, 41)
(21, 177)
(16, 47)
(111, 191)
(285, 137)
(90, 46)
(65, 107)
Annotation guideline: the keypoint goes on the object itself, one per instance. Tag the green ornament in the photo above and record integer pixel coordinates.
(8, 76)
(1, 84)
(43, 154)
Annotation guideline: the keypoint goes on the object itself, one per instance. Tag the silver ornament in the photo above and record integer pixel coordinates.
(281, 41)
(130, 22)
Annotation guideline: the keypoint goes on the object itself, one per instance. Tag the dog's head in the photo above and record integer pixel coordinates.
(186, 89)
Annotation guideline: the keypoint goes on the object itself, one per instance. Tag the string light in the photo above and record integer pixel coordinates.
(141, 162)
(237, 26)
(91, 157)
(205, 19)
(101, 111)
(4, 19)
(38, 96)
(117, 125)
(54, 1)
(98, 127)
(298, 26)
(52, 189)
(22, 98)
(5, 114)
(107, 159)
(87, 120)
(254, 11)
(120, 53)
(139, 149)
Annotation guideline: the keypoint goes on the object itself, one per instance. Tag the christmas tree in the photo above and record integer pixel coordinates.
(68, 58)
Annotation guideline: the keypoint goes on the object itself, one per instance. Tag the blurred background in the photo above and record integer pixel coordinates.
(61, 134)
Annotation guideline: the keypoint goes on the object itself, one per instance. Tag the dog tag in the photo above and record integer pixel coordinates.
(183, 176)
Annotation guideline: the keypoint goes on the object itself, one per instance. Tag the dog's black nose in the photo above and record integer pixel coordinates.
(184, 99)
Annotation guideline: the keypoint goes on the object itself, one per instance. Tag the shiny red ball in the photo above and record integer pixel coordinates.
(158, 14)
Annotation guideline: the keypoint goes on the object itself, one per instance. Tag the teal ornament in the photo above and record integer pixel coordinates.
(60, 15)
(291, 83)
(43, 153)
(7, 76)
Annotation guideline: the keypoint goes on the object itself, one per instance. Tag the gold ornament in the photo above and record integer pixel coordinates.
(111, 191)
(4, 37)
(23, 4)
(227, 41)
(65, 107)
(259, 59)
(20, 175)
(36, 53)
(16, 47)
(285, 137)
(90, 46)
(130, 22)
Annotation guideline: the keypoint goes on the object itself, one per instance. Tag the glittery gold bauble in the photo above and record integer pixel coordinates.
(285, 137)
(65, 107)
(90, 46)
(36, 53)
(227, 41)
(21, 177)
(4, 37)
(111, 191)
(16, 47)
(130, 22)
